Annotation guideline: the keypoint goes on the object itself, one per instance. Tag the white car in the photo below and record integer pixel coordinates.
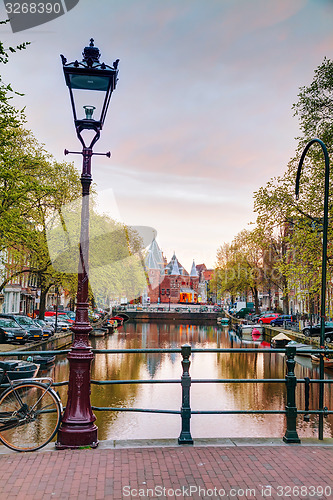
(61, 324)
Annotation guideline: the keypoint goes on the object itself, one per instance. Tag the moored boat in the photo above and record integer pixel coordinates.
(223, 321)
(43, 360)
(300, 348)
(118, 319)
(280, 340)
(256, 334)
(328, 362)
(21, 369)
(245, 328)
(98, 332)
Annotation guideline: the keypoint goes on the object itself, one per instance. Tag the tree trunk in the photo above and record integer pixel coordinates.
(42, 305)
(256, 299)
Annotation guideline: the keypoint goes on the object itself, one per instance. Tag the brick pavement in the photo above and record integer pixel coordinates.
(294, 471)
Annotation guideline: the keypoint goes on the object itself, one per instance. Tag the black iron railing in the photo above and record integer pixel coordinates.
(291, 411)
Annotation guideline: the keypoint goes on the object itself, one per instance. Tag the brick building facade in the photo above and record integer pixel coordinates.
(170, 282)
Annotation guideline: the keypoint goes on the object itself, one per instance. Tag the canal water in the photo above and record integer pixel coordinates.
(212, 396)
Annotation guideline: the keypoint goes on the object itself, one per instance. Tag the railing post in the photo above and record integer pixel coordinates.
(307, 397)
(291, 435)
(185, 435)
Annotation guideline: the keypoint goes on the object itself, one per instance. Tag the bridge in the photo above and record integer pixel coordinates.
(230, 468)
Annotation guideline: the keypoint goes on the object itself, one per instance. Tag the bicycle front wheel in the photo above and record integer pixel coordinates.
(37, 412)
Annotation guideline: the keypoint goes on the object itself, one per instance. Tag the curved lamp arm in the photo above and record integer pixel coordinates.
(327, 165)
(324, 264)
(325, 226)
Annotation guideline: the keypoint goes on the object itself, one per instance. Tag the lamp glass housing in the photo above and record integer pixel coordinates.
(89, 82)
(99, 81)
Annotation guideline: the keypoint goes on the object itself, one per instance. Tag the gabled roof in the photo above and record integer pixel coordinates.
(175, 268)
(170, 267)
(201, 268)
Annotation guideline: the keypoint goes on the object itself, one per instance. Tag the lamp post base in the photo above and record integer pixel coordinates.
(77, 436)
(291, 437)
(77, 428)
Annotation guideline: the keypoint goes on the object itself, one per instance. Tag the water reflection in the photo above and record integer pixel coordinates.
(228, 396)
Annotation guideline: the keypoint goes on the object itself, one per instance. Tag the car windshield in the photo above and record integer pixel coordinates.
(53, 320)
(24, 320)
(8, 323)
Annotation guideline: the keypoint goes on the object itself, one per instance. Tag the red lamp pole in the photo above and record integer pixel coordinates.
(77, 426)
(78, 423)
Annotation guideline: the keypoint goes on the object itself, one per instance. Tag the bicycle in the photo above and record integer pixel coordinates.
(30, 412)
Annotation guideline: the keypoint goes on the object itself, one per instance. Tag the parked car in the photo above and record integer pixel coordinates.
(11, 332)
(48, 329)
(70, 315)
(314, 330)
(267, 318)
(256, 317)
(245, 311)
(329, 337)
(281, 320)
(65, 315)
(35, 332)
(62, 326)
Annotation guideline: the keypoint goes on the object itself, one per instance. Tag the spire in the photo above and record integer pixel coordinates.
(175, 268)
(154, 258)
(151, 261)
(193, 273)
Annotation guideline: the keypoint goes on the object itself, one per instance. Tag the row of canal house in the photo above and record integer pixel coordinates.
(21, 294)
(170, 283)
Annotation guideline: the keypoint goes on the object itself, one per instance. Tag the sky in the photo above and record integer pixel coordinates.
(202, 114)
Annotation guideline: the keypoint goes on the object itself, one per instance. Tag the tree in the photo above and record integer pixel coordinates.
(4, 53)
(115, 262)
(299, 221)
(314, 107)
(240, 266)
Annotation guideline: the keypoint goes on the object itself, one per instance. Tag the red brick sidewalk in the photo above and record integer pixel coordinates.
(293, 472)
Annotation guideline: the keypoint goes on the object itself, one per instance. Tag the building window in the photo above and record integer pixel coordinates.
(163, 291)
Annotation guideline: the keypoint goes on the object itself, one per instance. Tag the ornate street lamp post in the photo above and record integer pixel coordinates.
(77, 426)
(323, 271)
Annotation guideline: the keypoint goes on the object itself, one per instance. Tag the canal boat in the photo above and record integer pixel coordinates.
(256, 334)
(43, 360)
(300, 347)
(21, 369)
(328, 362)
(223, 321)
(245, 328)
(280, 340)
(98, 332)
(120, 318)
